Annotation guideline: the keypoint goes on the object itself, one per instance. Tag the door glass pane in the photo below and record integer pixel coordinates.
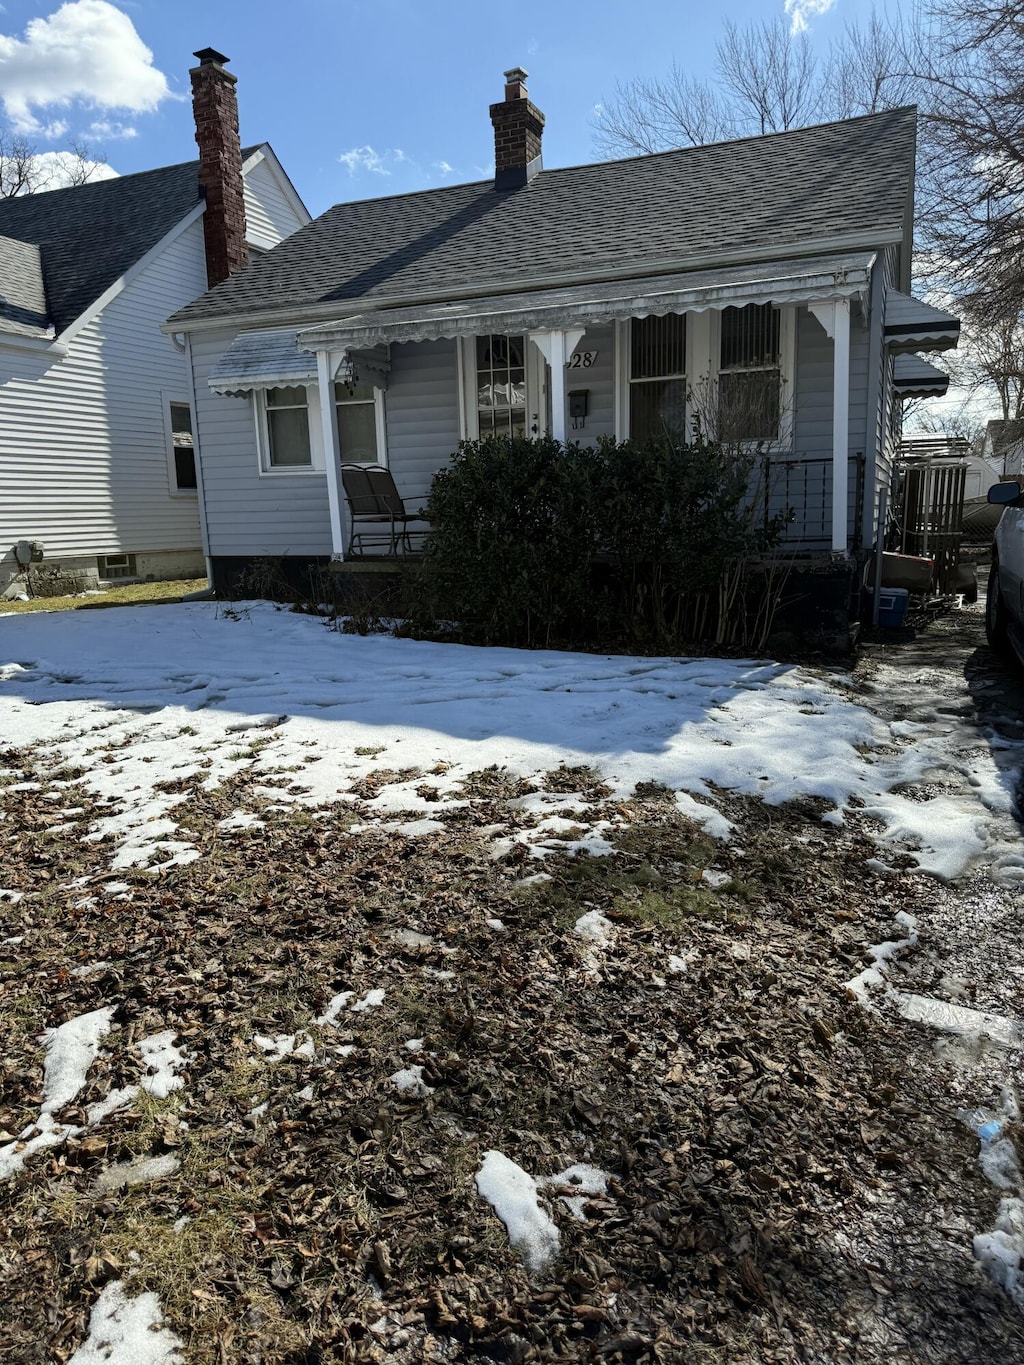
(657, 408)
(357, 433)
(501, 385)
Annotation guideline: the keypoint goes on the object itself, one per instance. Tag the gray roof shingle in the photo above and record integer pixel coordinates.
(89, 235)
(22, 296)
(751, 195)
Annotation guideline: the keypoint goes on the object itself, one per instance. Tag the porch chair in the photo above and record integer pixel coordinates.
(379, 516)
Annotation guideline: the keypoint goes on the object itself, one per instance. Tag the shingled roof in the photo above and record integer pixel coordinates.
(753, 196)
(89, 235)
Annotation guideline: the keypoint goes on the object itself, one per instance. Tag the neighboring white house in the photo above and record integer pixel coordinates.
(765, 281)
(97, 473)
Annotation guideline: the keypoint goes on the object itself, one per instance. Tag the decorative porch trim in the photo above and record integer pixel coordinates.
(551, 310)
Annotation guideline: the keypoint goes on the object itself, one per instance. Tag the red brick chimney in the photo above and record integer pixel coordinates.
(518, 128)
(215, 106)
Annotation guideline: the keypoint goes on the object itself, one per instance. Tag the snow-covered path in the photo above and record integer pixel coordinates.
(140, 698)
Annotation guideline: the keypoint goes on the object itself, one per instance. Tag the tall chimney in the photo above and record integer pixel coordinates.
(215, 107)
(518, 128)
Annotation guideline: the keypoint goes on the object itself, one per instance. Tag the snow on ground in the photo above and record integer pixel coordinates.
(512, 1194)
(125, 1331)
(310, 712)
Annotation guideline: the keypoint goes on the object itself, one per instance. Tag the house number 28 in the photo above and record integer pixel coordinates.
(582, 360)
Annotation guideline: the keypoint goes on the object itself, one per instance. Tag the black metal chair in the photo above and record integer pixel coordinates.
(379, 516)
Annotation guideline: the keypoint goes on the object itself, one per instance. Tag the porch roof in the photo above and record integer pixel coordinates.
(912, 325)
(802, 280)
(914, 377)
(271, 359)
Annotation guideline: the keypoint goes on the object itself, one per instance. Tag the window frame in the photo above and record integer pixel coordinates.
(703, 357)
(267, 469)
(380, 422)
(684, 375)
(787, 370)
(168, 400)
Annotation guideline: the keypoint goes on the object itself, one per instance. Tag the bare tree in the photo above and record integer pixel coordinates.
(767, 80)
(26, 170)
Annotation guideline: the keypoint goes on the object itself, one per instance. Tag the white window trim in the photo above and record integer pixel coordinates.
(703, 356)
(381, 420)
(787, 377)
(316, 467)
(166, 399)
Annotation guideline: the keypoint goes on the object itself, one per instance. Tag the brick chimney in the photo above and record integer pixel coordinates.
(518, 128)
(215, 107)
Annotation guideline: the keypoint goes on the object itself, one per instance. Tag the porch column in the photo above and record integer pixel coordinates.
(840, 423)
(556, 348)
(326, 368)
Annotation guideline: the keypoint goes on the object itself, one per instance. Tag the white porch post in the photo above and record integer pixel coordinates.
(556, 348)
(840, 423)
(326, 367)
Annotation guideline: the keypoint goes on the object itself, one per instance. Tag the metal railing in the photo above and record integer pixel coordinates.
(799, 489)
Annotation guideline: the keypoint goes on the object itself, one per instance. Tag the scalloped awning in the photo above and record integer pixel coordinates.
(272, 359)
(809, 279)
(914, 377)
(911, 325)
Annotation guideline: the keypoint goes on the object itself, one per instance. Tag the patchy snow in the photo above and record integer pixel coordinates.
(285, 1045)
(410, 1081)
(337, 1004)
(162, 1061)
(876, 977)
(264, 690)
(370, 1001)
(512, 1194)
(950, 1018)
(575, 1185)
(70, 1051)
(125, 1331)
(139, 1171)
(595, 928)
(90, 969)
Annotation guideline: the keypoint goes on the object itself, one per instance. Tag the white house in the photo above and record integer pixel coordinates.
(97, 470)
(765, 281)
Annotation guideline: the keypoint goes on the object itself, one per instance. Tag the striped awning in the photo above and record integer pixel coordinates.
(914, 377)
(912, 325)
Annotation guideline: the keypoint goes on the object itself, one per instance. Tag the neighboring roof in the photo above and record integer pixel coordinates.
(22, 297)
(915, 378)
(911, 325)
(719, 202)
(90, 235)
(803, 279)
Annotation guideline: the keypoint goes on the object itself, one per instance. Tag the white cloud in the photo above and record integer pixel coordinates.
(87, 50)
(55, 170)
(444, 167)
(111, 130)
(366, 159)
(802, 11)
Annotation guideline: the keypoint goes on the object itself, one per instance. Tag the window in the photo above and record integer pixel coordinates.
(750, 374)
(287, 429)
(657, 377)
(356, 406)
(501, 385)
(183, 448)
(116, 566)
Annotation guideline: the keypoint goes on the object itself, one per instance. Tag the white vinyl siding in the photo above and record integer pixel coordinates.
(247, 513)
(83, 443)
(269, 215)
(422, 403)
(599, 383)
(84, 458)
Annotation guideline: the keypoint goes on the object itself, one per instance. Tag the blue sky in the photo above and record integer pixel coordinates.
(364, 98)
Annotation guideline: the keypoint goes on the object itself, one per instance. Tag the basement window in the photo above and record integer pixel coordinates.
(657, 377)
(116, 566)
